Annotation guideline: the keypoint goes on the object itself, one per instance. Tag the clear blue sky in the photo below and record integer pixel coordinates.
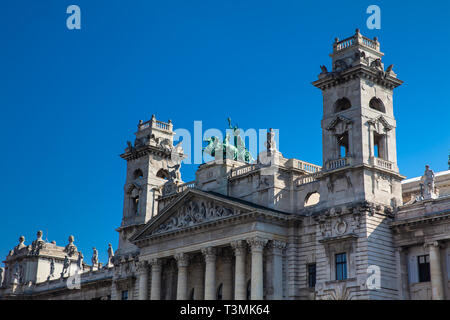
(71, 99)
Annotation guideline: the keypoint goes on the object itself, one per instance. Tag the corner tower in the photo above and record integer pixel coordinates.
(358, 125)
(152, 161)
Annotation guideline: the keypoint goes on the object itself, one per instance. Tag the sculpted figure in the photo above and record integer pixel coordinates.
(20, 245)
(1, 276)
(427, 181)
(37, 244)
(110, 254)
(70, 249)
(52, 268)
(66, 265)
(80, 261)
(94, 258)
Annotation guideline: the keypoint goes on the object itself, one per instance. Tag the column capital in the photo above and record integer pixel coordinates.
(277, 246)
(431, 244)
(155, 263)
(239, 247)
(182, 259)
(257, 243)
(142, 266)
(209, 253)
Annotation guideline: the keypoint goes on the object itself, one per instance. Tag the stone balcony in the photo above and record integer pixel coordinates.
(381, 163)
(338, 163)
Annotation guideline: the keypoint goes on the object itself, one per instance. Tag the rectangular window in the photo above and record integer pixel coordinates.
(125, 295)
(341, 266)
(424, 268)
(312, 275)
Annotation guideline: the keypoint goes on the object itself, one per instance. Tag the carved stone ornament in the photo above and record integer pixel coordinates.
(339, 125)
(195, 212)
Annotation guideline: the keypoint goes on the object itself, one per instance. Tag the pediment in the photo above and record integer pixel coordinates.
(380, 124)
(192, 209)
(339, 125)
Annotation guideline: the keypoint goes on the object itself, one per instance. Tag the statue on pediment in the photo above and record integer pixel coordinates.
(21, 245)
(427, 184)
(66, 266)
(110, 255)
(70, 248)
(37, 244)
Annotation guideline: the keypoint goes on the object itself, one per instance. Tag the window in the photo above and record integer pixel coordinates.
(342, 141)
(311, 275)
(377, 104)
(163, 174)
(138, 174)
(312, 199)
(219, 292)
(342, 104)
(125, 295)
(341, 266)
(379, 145)
(424, 268)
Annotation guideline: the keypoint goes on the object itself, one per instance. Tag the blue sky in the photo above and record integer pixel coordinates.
(70, 99)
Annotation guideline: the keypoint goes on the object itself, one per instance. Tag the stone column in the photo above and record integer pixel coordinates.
(240, 252)
(227, 289)
(210, 273)
(143, 280)
(437, 287)
(155, 293)
(182, 263)
(277, 276)
(257, 247)
(403, 280)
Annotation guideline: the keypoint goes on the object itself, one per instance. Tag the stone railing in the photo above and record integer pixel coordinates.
(338, 163)
(240, 171)
(308, 167)
(185, 186)
(356, 39)
(385, 164)
(308, 178)
(153, 123)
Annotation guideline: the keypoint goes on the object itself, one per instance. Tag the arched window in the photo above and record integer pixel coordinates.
(312, 199)
(377, 104)
(342, 104)
(219, 292)
(138, 174)
(249, 289)
(163, 174)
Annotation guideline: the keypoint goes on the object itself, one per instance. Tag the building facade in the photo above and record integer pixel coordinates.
(273, 228)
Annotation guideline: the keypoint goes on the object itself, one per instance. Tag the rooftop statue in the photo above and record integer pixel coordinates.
(231, 149)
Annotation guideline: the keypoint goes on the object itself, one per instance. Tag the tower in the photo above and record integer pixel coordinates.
(152, 161)
(360, 179)
(358, 125)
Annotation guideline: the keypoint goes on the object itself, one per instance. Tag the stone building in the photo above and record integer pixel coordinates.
(274, 228)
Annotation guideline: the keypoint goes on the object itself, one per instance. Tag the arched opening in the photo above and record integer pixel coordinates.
(163, 174)
(219, 292)
(312, 199)
(342, 104)
(138, 174)
(249, 289)
(377, 104)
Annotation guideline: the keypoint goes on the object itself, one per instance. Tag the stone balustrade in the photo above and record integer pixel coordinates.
(308, 178)
(338, 163)
(385, 164)
(153, 123)
(356, 39)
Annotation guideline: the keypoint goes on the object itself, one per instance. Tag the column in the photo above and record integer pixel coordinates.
(227, 289)
(437, 288)
(277, 276)
(403, 280)
(143, 280)
(155, 293)
(257, 246)
(240, 252)
(210, 273)
(182, 263)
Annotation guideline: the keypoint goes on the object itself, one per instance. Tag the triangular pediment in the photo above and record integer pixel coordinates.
(380, 124)
(192, 209)
(339, 125)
